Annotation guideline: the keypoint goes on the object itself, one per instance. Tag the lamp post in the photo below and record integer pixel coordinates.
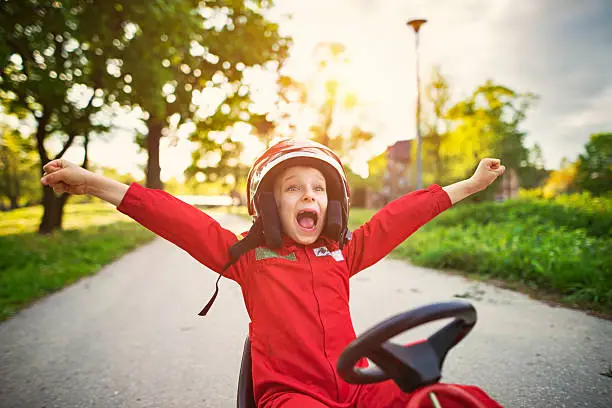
(416, 25)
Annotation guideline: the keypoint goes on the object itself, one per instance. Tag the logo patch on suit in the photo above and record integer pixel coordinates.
(266, 253)
(323, 251)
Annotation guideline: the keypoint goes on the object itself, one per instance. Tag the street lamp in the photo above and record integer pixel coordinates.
(416, 25)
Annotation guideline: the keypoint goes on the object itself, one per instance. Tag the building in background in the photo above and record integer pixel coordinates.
(398, 178)
(509, 185)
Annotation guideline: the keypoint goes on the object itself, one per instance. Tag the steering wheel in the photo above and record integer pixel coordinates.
(412, 366)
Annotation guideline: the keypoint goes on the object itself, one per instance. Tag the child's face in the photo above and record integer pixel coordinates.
(301, 197)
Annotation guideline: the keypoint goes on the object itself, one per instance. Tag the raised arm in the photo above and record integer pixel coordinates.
(487, 171)
(178, 222)
(392, 224)
(66, 177)
(399, 219)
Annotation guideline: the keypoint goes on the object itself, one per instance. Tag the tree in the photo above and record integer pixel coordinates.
(218, 159)
(18, 167)
(533, 173)
(561, 181)
(435, 124)
(594, 167)
(196, 52)
(331, 61)
(50, 71)
(487, 124)
(63, 61)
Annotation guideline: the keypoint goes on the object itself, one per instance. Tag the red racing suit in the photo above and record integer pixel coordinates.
(297, 297)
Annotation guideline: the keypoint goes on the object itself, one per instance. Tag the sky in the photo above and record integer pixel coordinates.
(560, 50)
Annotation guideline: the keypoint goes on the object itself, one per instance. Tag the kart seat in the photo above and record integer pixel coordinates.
(246, 398)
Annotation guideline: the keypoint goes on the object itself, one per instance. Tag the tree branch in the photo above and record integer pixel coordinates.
(86, 153)
(67, 145)
(41, 132)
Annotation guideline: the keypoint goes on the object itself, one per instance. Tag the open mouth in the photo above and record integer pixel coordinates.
(307, 219)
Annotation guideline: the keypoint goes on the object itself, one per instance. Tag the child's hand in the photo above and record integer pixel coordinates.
(488, 170)
(66, 177)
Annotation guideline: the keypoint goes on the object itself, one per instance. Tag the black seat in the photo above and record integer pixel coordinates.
(245, 381)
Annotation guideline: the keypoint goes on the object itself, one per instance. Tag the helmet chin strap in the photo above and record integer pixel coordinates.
(267, 230)
(252, 240)
(333, 223)
(272, 227)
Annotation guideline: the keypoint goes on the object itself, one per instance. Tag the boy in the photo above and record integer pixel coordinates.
(294, 263)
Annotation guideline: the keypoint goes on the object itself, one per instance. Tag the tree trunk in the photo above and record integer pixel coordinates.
(16, 185)
(53, 211)
(14, 202)
(86, 151)
(10, 177)
(153, 168)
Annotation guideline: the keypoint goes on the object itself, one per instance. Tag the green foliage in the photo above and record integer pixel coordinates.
(594, 169)
(245, 40)
(49, 49)
(326, 96)
(377, 167)
(573, 212)
(554, 259)
(218, 162)
(58, 61)
(487, 124)
(532, 173)
(435, 125)
(190, 46)
(33, 266)
(125, 178)
(77, 216)
(63, 61)
(561, 246)
(18, 169)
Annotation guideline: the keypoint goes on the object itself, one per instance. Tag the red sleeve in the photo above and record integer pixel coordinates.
(392, 224)
(182, 224)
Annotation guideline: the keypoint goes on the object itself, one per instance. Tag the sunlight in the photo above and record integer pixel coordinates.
(377, 67)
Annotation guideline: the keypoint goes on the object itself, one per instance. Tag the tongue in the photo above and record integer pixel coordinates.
(306, 222)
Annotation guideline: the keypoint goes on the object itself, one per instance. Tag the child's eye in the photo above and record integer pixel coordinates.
(320, 188)
(291, 188)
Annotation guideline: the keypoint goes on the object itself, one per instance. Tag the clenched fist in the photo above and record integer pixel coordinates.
(487, 171)
(66, 177)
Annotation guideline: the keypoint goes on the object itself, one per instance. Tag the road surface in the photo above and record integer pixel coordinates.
(130, 337)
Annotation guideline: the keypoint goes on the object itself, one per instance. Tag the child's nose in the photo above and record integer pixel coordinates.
(308, 195)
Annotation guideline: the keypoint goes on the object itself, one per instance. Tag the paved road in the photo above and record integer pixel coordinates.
(130, 337)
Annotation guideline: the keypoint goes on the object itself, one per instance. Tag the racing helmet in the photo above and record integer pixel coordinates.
(292, 152)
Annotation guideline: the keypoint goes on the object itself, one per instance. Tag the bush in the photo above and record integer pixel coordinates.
(559, 260)
(561, 246)
(578, 211)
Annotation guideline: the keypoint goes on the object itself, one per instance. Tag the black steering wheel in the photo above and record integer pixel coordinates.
(411, 366)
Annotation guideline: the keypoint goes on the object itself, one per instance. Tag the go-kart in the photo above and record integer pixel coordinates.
(415, 367)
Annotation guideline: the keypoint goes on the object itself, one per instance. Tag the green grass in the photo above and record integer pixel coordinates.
(32, 266)
(559, 249)
(24, 220)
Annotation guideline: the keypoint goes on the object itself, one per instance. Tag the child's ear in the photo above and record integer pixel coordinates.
(272, 228)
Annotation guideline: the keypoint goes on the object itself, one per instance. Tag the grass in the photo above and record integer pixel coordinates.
(26, 220)
(33, 266)
(558, 250)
